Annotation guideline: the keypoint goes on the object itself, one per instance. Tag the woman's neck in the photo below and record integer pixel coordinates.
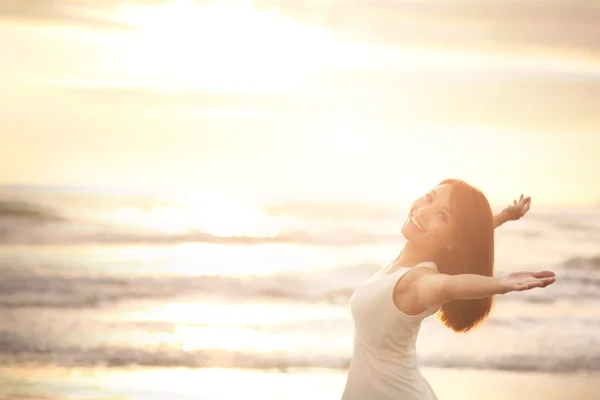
(412, 255)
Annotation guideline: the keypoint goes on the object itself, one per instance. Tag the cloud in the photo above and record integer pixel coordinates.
(496, 24)
(518, 25)
(91, 13)
(391, 99)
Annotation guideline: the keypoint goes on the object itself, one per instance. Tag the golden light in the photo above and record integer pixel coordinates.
(209, 212)
(345, 138)
(225, 46)
(214, 325)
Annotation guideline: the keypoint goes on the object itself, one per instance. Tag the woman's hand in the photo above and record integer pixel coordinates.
(517, 209)
(513, 212)
(520, 281)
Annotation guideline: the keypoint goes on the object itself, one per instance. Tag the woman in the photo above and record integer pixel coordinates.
(445, 267)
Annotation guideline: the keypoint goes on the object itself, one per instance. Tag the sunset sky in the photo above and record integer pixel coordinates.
(352, 99)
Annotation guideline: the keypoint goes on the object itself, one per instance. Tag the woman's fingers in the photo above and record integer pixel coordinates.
(536, 283)
(543, 274)
(521, 287)
(527, 206)
(548, 281)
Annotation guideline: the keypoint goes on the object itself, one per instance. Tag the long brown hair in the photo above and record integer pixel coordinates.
(471, 253)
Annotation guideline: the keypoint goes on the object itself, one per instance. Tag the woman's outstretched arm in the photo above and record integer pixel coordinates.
(513, 212)
(435, 289)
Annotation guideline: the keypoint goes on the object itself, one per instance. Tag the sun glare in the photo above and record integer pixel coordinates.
(348, 134)
(216, 215)
(225, 46)
(229, 326)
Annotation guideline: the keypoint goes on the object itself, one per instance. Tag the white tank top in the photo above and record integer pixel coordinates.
(384, 363)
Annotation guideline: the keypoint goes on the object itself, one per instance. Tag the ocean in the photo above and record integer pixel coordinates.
(102, 282)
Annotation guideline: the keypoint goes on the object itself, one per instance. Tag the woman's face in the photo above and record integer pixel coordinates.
(429, 224)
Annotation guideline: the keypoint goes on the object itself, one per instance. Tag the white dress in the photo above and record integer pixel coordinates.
(384, 364)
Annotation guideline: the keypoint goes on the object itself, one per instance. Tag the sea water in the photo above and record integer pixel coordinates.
(109, 282)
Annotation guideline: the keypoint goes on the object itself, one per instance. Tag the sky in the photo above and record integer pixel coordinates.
(304, 99)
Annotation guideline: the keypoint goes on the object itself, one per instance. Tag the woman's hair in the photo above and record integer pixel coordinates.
(472, 252)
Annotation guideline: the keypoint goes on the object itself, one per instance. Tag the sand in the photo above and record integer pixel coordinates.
(496, 385)
(215, 384)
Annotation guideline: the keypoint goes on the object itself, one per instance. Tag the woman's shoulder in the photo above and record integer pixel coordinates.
(411, 274)
(428, 264)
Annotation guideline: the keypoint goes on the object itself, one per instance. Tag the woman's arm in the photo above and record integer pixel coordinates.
(501, 218)
(435, 289)
(513, 212)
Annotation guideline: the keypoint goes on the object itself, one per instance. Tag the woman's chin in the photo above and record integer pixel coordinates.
(407, 232)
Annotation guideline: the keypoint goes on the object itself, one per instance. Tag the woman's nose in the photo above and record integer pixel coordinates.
(424, 213)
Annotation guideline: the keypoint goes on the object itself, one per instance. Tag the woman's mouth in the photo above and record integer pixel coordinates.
(415, 225)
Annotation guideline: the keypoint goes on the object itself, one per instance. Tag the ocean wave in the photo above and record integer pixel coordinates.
(14, 209)
(87, 219)
(19, 353)
(108, 356)
(59, 231)
(589, 263)
(82, 234)
(521, 363)
(19, 289)
(43, 289)
(575, 226)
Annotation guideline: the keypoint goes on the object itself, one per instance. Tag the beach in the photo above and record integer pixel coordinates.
(218, 384)
(115, 297)
(192, 190)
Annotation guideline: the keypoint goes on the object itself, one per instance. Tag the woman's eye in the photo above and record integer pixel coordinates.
(443, 216)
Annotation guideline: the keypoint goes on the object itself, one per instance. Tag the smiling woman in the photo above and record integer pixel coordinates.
(225, 47)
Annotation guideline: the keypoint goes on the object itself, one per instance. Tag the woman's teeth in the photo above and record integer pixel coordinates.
(416, 223)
